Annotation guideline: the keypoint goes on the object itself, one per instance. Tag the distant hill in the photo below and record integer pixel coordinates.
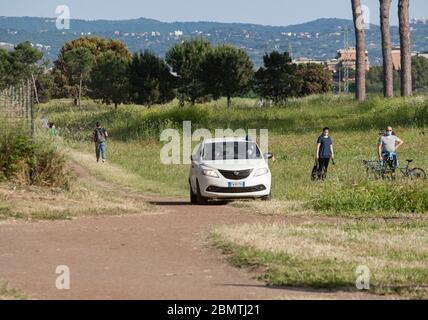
(318, 39)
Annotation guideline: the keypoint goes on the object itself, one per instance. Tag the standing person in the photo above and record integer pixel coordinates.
(52, 130)
(324, 153)
(100, 136)
(388, 146)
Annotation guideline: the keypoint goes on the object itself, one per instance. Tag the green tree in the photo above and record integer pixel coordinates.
(185, 60)
(109, 78)
(23, 62)
(374, 79)
(227, 71)
(312, 79)
(277, 78)
(420, 72)
(79, 62)
(24, 65)
(4, 68)
(63, 78)
(45, 87)
(150, 79)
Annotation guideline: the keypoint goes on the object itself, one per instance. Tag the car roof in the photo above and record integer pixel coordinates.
(226, 139)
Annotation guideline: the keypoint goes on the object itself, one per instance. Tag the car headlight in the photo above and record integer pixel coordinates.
(210, 173)
(261, 172)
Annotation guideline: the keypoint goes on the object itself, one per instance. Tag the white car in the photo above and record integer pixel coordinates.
(229, 168)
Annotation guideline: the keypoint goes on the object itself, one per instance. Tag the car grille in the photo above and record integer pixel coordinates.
(236, 175)
(257, 188)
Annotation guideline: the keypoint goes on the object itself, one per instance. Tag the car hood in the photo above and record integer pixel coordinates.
(232, 165)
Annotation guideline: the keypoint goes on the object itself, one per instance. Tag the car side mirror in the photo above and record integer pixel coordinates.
(268, 155)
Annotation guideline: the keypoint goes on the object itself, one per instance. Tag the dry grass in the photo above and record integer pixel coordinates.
(112, 172)
(88, 195)
(275, 208)
(6, 293)
(326, 254)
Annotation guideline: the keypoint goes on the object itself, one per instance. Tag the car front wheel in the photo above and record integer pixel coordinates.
(268, 197)
(193, 198)
(200, 200)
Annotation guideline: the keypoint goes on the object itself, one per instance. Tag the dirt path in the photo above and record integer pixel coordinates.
(164, 256)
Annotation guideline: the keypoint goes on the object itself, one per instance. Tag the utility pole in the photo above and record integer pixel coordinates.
(346, 67)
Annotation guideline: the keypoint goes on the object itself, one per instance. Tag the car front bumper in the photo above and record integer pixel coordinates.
(218, 188)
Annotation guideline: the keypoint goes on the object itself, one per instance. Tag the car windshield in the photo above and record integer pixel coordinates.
(231, 150)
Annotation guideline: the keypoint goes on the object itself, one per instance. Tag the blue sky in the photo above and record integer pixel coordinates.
(272, 12)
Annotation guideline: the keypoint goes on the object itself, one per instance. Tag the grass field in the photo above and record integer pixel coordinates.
(293, 130)
(327, 255)
(380, 224)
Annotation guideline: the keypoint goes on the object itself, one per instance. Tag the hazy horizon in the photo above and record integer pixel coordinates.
(267, 12)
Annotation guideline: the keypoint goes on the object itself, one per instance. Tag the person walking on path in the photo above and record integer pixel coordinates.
(324, 153)
(100, 136)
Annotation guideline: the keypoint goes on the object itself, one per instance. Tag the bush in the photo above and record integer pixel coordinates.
(50, 166)
(26, 161)
(16, 154)
(372, 196)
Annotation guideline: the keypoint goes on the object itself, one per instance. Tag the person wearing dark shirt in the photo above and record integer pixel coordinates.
(100, 136)
(324, 153)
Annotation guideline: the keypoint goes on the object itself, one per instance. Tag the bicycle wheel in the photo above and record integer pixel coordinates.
(417, 173)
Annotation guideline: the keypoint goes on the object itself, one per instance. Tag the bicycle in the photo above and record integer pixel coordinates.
(373, 168)
(379, 170)
(413, 173)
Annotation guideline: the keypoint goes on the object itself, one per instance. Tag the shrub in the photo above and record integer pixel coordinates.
(50, 166)
(28, 161)
(375, 196)
(16, 154)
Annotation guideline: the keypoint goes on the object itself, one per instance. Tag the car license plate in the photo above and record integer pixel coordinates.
(236, 184)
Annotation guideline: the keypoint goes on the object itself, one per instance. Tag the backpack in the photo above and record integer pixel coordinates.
(314, 173)
(100, 135)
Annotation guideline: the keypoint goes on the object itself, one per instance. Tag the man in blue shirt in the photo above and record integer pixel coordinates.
(325, 152)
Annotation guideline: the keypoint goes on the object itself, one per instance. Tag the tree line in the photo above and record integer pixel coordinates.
(375, 77)
(192, 71)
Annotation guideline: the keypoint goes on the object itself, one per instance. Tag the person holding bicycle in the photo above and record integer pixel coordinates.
(388, 146)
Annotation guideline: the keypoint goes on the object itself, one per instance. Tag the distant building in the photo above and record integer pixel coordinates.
(419, 21)
(332, 65)
(303, 60)
(422, 54)
(178, 33)
(348, 58)
(396, 58)
(6, 46)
